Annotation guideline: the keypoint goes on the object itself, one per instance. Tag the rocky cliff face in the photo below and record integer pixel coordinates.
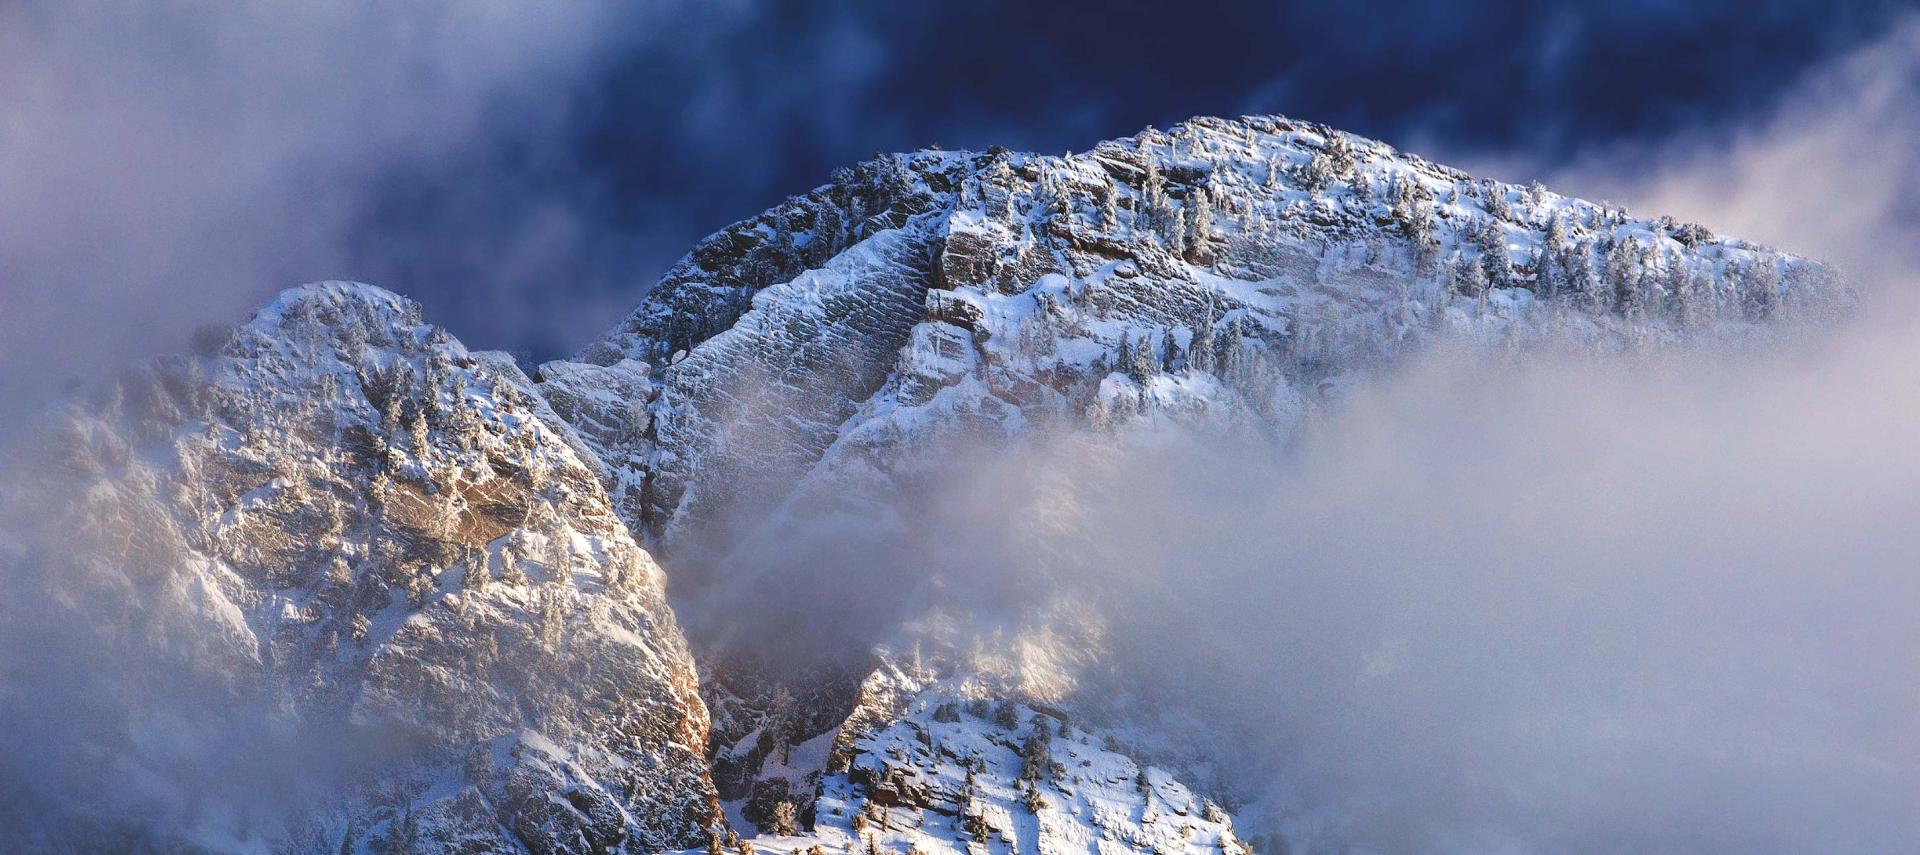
(375, 560)
(822, 360)
(335, 583)
(1243, 266)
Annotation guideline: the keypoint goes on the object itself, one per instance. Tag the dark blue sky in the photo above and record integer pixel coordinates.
(528, 170)
(701, 117)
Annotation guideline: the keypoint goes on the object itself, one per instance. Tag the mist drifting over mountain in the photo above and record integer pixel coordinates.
(1251, 485)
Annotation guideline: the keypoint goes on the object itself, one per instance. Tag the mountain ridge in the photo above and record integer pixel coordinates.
(814, 362)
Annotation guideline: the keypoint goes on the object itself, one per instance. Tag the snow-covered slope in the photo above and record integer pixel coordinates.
(820, 360)
(951, 765)
(342, 578)
(940, 290)
(337, 583)
(952, 774)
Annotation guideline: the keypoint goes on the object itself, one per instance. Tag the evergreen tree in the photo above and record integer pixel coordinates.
(1030, 798)
(404, 836)
(1583, 283)
(1143, 364)
(551, 617)
(786, 819)
(1200, 356)
(1467, 279)
(1557, 238)
(1491, 239)
(1758, 288)
(1153, 199)
(1548, 281)
(1497, 205)
(1200, 225)
(1230, 360)
(1319, 172)
(1680, 295)
(1426, 247)
(1036, 754)
(1340, 155)
(1007, 714)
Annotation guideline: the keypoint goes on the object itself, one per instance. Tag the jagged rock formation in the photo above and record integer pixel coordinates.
(937, 292)
(411, 578)
(988, 289)
(342, 537)
(946, 772)
(827, 353)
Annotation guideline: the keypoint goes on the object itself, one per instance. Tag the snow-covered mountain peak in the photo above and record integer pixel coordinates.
(347, 525)
(942, 288)
(805, 374)
(371, 569)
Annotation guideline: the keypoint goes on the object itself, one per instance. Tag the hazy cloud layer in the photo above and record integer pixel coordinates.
(1561, 604)
(1657, 605)
(1567, 606)
(1572, 605)
(1829, 169)
(526, 173)
(169, 165)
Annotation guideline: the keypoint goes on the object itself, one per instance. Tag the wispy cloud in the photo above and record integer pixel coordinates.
(169, 165)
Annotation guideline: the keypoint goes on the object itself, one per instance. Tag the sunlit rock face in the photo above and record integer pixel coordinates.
(338, 577)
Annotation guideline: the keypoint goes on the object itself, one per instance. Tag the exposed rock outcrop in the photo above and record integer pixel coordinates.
(342, 577)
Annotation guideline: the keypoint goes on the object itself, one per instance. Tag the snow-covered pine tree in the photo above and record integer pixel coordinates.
(1230, 350)
(1496, 197)
(1491, 239)
(1200, 355)
(1153, 199)
(1548, 281)
(1200, 225)
(1681, 303)
(1758, 289)
(786, 819)
(1036, 754)
(1623, 272)
(1031, 799)
(1318, 173)
(1143, 364)
(1584, 284)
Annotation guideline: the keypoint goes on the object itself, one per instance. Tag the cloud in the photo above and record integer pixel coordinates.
(1571, 605)
(1548, 604)
(1831, 169)
(1555, 606)
(169, 165)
